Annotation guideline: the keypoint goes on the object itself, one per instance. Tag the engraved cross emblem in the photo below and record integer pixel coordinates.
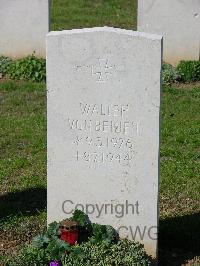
(103, 70)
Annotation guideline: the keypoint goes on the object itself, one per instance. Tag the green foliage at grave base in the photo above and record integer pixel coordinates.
(4, 65)
(123, 253)
(34, 69)
(28, 68)
(189, 71)
(186, 71)
(169, 74)
(102, 247)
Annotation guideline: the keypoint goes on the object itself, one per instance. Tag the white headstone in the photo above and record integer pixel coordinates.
(103, 128)
(178, 21)
(23, 27)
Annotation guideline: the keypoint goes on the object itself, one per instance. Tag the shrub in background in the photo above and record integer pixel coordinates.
(169, 74)
(34, 69)
(4, 65)
(28, 68)
(189, 71)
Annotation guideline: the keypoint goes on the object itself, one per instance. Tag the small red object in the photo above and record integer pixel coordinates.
(69, 237)
(69, 231)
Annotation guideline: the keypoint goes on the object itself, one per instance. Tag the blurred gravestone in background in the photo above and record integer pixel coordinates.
(178, 21)
(23, 27)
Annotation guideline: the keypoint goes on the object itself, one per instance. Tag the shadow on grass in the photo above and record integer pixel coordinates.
(179, 239)
(26, 202)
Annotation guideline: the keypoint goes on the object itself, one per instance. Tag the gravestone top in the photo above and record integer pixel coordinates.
(107, 29)
(103, 128)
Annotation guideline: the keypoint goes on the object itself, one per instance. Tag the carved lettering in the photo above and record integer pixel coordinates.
(103, 128)
(114, 110)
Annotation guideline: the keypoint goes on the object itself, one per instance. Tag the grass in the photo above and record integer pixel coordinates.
(180, 155)
(23, 164)
(23, 134)
(69, 14)
(179, 237)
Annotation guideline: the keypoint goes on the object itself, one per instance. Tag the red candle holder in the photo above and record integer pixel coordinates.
(69, 231)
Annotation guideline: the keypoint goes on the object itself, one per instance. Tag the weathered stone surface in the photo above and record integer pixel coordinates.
(103, 128)
(23, 27)
(178, 21)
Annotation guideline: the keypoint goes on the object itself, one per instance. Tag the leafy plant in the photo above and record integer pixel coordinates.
(53, 229)
(101, 247)
(84, 224)
(81, 218)
(41, 241)
(124, 253)
(4, 65)
(57, 248)
(103, 234)
(189, 71)
(169, 74)
(28, 68)
(30, 256)
(50, 242)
